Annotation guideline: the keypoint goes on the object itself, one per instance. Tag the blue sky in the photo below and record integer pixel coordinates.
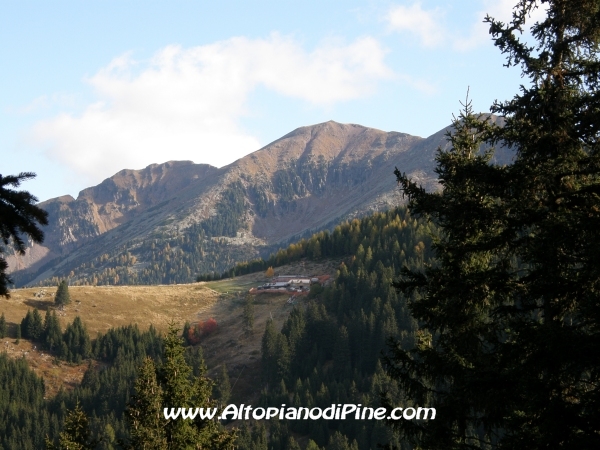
(90, 88)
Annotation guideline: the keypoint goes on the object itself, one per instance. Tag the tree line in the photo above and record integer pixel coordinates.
(342, 241)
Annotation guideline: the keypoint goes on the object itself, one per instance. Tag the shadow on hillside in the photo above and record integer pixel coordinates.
(42, 305)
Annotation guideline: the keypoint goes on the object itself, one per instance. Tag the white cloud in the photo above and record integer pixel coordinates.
(414, 19)
(432, 31)
(43, 103)
(186, 103)
(501, 10)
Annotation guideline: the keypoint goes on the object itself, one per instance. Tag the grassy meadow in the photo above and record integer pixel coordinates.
(105, 307)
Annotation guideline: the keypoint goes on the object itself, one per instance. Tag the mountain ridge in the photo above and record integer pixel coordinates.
(305, 180)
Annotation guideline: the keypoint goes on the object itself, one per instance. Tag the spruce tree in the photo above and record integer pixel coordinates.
(171, 385)
(144, 413)
(19, 218)
(52, 336)
(77, 341)
(62, 297)
(312, 445)
(26, 325)
(35, 327)
(195, 358)
(76, 433)
(510, 310)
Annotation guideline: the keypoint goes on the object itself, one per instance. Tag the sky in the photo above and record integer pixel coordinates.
(90, 88)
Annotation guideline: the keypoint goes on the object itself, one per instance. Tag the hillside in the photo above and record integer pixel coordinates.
(104, 307)
(167, 223)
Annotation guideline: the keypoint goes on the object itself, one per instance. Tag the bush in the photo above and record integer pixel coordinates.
(199, 330)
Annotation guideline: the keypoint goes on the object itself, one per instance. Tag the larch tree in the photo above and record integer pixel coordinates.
(509, 310)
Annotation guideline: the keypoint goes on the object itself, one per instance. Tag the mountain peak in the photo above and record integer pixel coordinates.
(309, 179)
(329, 126)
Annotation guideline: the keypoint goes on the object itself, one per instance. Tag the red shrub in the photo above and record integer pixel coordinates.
(201, 329)
(208, 326)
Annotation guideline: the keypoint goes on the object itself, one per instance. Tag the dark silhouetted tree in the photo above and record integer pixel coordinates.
(19, 218)
(510, 312)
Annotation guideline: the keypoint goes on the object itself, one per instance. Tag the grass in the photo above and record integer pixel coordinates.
(104, 307)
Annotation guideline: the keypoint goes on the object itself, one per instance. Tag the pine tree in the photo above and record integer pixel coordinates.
(510, 311)
(19, 218)
(62, 297)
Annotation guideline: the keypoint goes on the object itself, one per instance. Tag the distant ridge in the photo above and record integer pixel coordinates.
(309, 179)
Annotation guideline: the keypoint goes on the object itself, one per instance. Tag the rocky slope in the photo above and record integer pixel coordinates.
(184, 218)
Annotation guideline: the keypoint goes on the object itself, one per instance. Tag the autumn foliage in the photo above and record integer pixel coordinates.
(201, 329)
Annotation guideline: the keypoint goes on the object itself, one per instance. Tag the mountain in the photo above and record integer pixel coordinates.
(168, 222)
